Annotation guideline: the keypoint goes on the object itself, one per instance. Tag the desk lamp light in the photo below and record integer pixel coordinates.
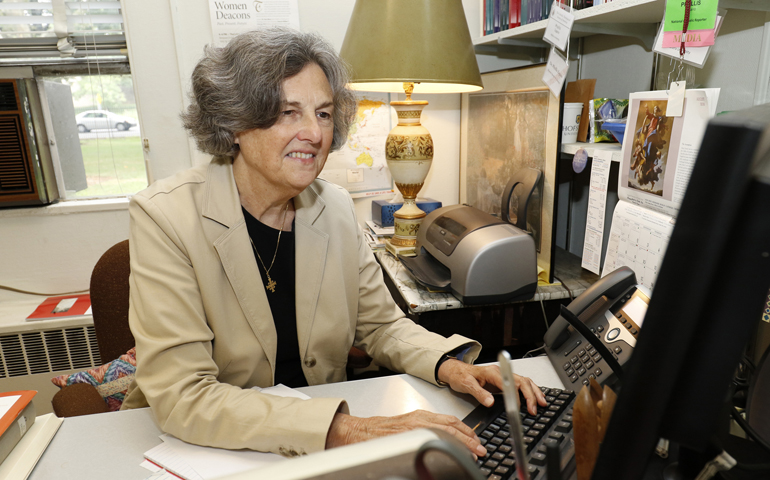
(410, 46)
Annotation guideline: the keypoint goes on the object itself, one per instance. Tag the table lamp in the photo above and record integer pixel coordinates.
(410, 46)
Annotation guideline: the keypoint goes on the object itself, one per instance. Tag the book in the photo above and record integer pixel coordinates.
(25, 455)
(17, 415)
(658, 155)
(62, 307)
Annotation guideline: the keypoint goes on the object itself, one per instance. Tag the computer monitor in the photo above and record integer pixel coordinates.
(707, 300)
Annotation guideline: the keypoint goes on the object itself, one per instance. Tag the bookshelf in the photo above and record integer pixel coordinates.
(572, 148)
(629, 18)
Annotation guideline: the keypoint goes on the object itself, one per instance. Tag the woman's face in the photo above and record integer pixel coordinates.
(289, 155)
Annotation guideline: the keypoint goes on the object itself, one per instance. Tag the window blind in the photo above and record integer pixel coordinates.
(61, 32)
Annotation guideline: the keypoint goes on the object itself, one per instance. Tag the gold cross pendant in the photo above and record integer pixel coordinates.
(270, 284)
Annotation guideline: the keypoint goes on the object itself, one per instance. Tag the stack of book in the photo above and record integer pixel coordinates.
(23, 437)
(376, 235)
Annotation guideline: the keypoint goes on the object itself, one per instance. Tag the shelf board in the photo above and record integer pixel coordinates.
(572, 148)
(644, 13)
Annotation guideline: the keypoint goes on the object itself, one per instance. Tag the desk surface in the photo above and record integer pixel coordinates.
(419, 299)
(111, 445)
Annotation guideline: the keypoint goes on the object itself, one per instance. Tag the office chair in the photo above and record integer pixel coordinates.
(109, 304)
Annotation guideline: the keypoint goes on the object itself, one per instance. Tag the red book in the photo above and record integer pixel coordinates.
(62, 307)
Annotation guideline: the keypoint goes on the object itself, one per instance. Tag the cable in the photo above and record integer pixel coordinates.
(17, 290)
(526, 355)
(748, 429)
(545, 317)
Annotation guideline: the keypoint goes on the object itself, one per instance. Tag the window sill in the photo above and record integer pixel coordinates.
(67, 207)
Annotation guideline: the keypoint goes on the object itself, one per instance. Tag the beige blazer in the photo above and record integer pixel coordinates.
(203, 328)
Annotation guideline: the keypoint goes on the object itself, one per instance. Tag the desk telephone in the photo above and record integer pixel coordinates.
(612, 310)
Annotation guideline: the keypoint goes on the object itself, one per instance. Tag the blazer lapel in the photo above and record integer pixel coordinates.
(310, 257)
(223, 206)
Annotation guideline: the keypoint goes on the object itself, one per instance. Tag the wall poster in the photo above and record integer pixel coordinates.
(512, 124)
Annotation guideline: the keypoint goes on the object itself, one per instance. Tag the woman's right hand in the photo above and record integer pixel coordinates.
(346, 429)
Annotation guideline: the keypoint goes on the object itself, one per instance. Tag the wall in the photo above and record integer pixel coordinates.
(53, 249)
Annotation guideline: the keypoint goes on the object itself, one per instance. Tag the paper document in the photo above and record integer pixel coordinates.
(194, 462)
(638, 240)
(597, 202)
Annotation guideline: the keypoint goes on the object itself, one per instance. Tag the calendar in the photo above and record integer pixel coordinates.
(638, 240)
(658, 154)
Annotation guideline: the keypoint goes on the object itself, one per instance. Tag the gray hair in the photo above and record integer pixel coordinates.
(239, 87)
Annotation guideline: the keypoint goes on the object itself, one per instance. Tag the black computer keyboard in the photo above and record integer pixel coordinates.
(553, 423)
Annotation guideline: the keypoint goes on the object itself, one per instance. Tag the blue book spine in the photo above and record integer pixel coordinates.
(488, 17)
(524, 12)
(505, 17)
(496, 25)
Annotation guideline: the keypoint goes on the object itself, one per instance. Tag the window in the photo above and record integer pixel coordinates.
(76, 52)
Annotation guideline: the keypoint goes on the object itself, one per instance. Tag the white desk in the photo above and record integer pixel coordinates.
(111, 445)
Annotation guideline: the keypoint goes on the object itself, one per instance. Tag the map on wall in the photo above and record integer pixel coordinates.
(360, 165)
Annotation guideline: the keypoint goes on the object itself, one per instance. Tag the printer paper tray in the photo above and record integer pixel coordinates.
(428, 271)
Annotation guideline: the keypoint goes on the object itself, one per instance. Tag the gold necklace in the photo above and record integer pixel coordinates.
(270, 282)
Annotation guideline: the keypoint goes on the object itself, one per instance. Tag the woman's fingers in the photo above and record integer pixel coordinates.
(367, 428)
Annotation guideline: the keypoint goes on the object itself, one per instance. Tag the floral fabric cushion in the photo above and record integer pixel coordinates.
(111, 379)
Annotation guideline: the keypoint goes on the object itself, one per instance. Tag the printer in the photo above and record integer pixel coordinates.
(480, 258)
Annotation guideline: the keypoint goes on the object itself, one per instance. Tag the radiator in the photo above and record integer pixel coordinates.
(29, 359)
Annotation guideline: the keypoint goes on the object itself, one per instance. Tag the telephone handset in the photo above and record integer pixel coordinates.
(613, 309)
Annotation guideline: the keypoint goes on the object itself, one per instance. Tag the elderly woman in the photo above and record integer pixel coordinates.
(250, 271)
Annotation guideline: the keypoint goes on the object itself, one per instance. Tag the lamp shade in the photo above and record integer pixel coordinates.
(389, 42)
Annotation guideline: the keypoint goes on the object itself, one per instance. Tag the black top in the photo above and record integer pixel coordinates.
(288, 368)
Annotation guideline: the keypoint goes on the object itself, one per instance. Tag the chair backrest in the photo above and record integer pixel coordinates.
(109, 302)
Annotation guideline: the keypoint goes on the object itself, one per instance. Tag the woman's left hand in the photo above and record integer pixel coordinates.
(478, 380)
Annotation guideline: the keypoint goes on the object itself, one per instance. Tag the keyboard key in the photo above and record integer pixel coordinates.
(556, 436)
(567, 365)
(491, 464)
(533, 471)
(501, 470)
(485, 471)
(487, 434)
(563, 427)
(573, 378)
(589, 364)
(508, 462)
(528, 421)
(538, 459)
(581, 372)
(597, 358)
(504, 449)
(498, 456)
(496, 440)
(494, 477)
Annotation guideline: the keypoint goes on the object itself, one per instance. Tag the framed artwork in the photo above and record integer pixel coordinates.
(513, 123)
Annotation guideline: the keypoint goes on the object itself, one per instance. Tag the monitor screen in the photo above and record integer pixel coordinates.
(705, 305)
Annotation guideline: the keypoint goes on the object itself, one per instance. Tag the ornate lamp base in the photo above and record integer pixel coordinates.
(409, 152)
(397, 250)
